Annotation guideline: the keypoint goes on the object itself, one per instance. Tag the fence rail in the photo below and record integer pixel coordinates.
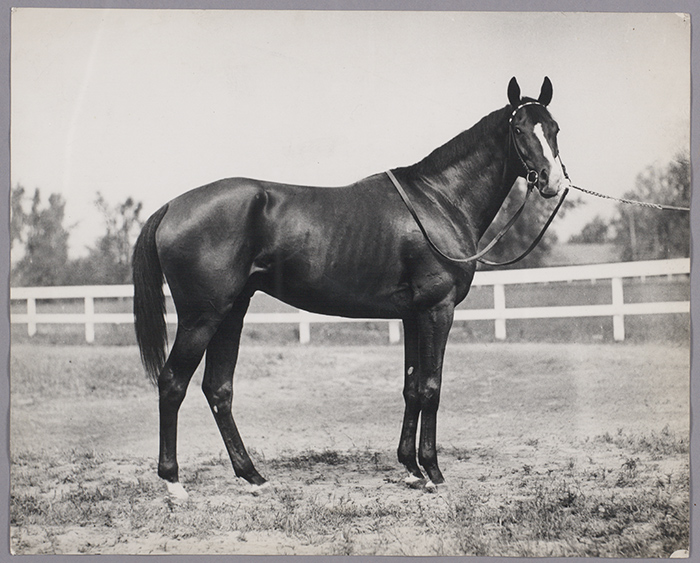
(500, 313)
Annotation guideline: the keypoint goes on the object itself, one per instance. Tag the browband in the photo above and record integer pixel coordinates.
(533, 103)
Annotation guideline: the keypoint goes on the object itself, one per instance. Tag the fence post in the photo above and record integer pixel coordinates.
(89, 319)
(618, 300)
(499, 306)
(31, 313)
(394, 332)
(304, 328)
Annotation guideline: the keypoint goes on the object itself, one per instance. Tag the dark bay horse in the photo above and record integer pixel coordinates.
(352, 251)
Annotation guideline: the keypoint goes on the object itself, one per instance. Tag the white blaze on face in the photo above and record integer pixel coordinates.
(556, 174)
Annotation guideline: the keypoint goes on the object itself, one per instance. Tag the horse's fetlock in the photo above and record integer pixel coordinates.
(168, 472)
(406, 455)
(428, 459)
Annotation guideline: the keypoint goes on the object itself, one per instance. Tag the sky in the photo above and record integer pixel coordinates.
(151, 103)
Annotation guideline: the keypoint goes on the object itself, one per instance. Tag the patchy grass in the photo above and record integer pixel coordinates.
(658, 445)
(355, 503)
(547, 451)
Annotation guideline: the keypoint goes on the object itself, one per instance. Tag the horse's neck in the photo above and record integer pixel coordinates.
(474, 170)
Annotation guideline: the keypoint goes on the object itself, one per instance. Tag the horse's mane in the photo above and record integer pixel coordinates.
(467, 142)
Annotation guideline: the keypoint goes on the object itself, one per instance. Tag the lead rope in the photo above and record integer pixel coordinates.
(621, 200)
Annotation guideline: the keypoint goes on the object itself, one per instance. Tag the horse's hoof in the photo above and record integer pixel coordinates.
(431, 487)
(257, 490)
(413, 481)
(177, 492)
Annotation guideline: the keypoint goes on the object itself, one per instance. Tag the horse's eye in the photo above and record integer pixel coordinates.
(518, 130)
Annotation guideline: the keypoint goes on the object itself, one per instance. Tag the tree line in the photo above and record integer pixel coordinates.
(40, 240)
(40, 237)
(643, 233)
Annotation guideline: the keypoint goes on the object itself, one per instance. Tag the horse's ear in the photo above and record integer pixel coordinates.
(545, 92)
(514, 93)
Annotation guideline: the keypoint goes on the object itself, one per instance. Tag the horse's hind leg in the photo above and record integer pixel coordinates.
(222, 354)
(173, 380)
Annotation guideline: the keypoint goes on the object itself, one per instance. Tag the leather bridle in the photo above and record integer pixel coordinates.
(531, 175)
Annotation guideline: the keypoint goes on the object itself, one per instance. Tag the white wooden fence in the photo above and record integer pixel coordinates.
(617, 308)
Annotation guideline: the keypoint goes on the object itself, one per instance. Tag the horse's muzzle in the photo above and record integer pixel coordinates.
(548, 192)
(549, 186)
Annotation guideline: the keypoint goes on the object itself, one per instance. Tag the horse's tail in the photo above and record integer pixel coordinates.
(149, 300)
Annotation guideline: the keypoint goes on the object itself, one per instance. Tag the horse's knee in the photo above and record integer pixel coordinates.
(171, 390)
(429, 402)
(219, 397)
(430, 395)
(411, 396)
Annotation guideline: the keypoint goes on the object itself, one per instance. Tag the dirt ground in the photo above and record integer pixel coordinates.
(591, 426)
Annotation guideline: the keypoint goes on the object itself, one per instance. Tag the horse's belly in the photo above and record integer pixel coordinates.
(337, 293)
(330, 304)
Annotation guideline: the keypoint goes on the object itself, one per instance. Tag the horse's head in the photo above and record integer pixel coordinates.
(533, 134)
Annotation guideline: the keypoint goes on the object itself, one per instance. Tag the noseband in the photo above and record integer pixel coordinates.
(531, 176)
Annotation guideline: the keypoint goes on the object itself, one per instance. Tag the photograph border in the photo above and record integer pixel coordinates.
(391, 5)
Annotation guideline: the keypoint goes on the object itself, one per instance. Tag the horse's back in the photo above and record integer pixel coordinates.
(230, 207)
(209, 207)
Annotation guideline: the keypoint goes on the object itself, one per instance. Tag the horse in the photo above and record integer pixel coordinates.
(352, 251)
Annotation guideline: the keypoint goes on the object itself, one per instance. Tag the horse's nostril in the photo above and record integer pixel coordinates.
(544, 175)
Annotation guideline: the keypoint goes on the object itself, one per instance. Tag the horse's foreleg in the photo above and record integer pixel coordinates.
(222, 355)
(434, 327)
(407, 443)
(173, 380)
